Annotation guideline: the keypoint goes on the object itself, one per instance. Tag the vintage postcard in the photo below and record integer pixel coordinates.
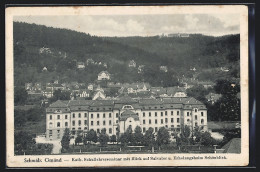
(122, 86)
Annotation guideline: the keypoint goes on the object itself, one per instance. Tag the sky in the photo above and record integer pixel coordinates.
(142, 25)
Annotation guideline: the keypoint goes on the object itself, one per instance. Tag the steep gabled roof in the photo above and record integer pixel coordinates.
(233, 146)
(58, 104)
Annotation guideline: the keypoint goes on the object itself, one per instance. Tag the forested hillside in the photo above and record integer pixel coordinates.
(68, 47)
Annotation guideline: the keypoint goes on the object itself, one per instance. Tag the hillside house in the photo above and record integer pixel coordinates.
(80, 65)
(99, 95)
(84, 93)
(28, 86)
(224, 69)
(164, 68)
(104, 75)
(140, 68)
(90, 87)
(45, 50)
(135, 88)
(132, 63)
(213, 98)
(44, 69)
(90, 61)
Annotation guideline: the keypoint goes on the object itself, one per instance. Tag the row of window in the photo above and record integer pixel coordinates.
(188, 113)
(166, 121)
(155, 114)
(110, 115)
(98, 123)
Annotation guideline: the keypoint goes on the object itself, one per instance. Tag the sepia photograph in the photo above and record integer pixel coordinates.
(127, 86)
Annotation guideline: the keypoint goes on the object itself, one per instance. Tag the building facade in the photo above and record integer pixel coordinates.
(117, 115)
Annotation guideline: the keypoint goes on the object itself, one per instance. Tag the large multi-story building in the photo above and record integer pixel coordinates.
(117, 115)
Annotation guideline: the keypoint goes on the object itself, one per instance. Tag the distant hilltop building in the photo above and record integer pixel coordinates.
(80, 65)
(45, 50)
(132, 63)
(44, 69)
(183, 35)
(104, 75)
(118, 115)
(164, 68)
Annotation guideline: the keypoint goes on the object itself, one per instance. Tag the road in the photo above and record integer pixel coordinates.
(56, 144)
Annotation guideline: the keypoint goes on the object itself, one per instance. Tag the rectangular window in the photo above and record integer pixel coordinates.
(98, 131)
(116, 121)
(110, 115)
(110, 122)
(104, 122)
(166, 120)
(150, 121)
(110, 130)
(85, 115)
(150, 114)
(178, 120)
(143, 114)
(66, 124)
(98, 115)
(91, 115)
(155, 121)
(73, 115)
(79, 122)
(143, 121)
(188, 113)
(117, 115)
(66, 116)
(171, 112)
(165, 113)
(178, 112)
(79, 115)
(156, 129)
(73, 123)
(92, 123)
(58, 117)
(85, 122)
(104, 115)
(144, 129)
(201, 113)
(155, 114)
(196, 117)
(161, 113)
(50, 118)
(171, 120)
(161, 121)
(97, 122)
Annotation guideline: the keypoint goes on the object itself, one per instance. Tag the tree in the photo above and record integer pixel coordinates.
(19, 118)
(198, 92)
(163, 136)
(113, 139)
(60, 95)
(185, 134)
(23, 141)
(206, 139)
(138, 135)
(20, 96)
(103, 137)
(78, 139)
(91, 136)
(149, 138)
(65, 141)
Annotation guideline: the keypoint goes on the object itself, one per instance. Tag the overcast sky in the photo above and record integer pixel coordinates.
(142, 25)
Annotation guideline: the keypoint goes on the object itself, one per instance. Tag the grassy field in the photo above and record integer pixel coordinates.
(34, 127)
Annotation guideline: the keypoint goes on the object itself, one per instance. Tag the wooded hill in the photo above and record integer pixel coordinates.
(179, 54)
